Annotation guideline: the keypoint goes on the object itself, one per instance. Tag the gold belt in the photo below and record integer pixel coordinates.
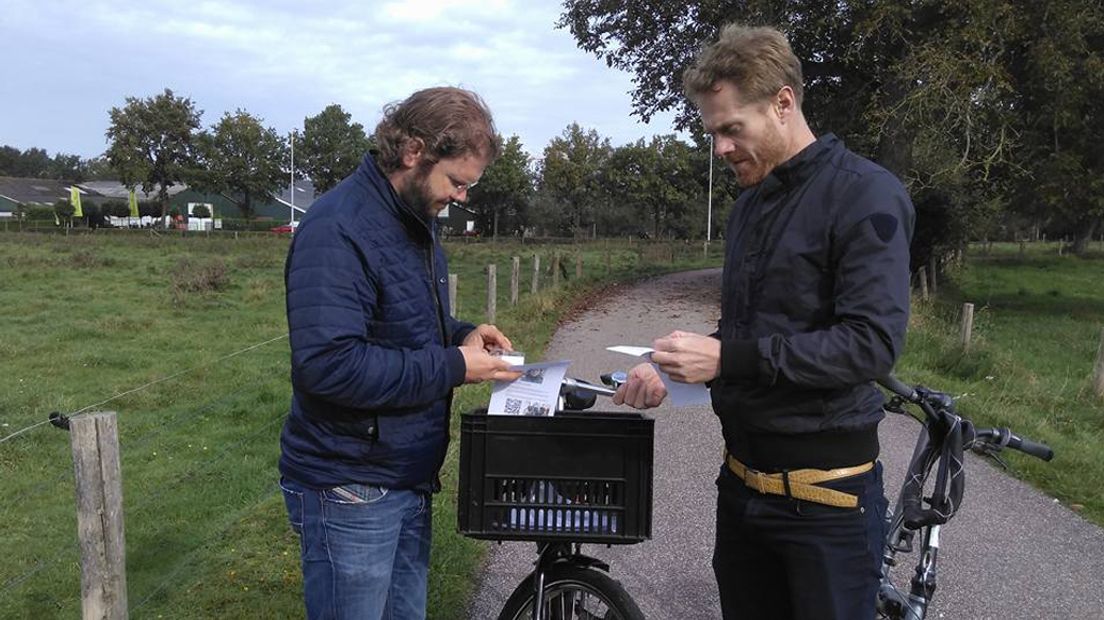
(801, 483)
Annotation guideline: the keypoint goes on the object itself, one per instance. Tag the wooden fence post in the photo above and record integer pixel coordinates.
(922, 280)
(453, 281)
(579, 266)
(95, 442)
(492, 292)
(1098, 375)
(967, 329)
(535, 286)
(556, 270)
(515, 269)
(933, 264)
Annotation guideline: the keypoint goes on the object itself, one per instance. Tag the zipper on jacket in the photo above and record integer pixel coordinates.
(431, 266)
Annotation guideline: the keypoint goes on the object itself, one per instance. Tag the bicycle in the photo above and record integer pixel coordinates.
(560, 481)
(944, 436)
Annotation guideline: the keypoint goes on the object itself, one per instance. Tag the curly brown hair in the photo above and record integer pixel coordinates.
(757, 60)
(451, 122)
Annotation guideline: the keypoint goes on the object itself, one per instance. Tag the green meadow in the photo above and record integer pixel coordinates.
(185, 338)
(1037, 327)
(191, 333)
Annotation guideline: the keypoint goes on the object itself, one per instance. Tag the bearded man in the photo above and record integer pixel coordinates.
(814, 307)
(375, 355)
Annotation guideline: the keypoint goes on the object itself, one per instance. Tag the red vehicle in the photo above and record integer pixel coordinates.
(285, 229)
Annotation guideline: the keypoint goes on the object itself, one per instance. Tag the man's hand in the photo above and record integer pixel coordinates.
(488, 337)
(643, 389)
(482, 366)
(688, 357)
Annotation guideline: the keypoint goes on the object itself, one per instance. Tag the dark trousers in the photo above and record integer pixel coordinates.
(777, 557)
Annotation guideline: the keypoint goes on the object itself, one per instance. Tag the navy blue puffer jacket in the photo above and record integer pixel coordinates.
(374, 354)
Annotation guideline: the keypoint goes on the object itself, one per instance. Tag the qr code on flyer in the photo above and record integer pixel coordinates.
(513, 406)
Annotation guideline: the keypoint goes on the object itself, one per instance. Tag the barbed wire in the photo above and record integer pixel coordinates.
(142, 441)
(149, 500)
(150, 384)
(185, 563)
(42, 565)
(208, 464)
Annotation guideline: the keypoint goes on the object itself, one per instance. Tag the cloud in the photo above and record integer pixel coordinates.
(285, 60)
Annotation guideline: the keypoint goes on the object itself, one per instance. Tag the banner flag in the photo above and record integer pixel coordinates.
(133, 202)
(74, 199)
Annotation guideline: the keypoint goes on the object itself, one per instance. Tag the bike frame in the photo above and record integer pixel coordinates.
(899, 539)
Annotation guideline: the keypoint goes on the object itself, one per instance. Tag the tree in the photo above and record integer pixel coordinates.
(37, 163)
(920, 87)
(67, 167)
(501, 199)
(153, 143)
(570, 178)
(241, 160)
(99, 169)
(1060, 79)
(331, 147)
(9, 160)
(658, 183)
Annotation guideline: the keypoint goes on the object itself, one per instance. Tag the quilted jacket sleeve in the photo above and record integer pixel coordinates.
(331, 297)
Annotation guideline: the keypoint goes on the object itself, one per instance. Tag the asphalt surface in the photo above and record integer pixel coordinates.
(1011, 552)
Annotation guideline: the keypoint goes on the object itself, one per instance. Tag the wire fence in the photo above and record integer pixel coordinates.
(176, 500)
(199, 445)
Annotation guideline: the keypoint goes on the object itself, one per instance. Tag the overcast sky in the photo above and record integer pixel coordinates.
(65, 63)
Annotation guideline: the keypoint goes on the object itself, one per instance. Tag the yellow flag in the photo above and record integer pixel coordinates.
(74, 199)
(133, 200)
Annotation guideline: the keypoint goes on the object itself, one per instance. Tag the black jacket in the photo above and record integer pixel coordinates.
(814, 308)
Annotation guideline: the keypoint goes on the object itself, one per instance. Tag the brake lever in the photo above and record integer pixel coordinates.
(895, 405)
(991, 450)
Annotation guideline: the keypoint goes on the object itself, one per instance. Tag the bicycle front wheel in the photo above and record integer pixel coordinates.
(573, 593)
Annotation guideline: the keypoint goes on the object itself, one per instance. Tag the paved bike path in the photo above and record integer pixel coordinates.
(1011, 552)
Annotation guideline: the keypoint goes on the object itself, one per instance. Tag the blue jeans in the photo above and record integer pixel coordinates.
(364, 550)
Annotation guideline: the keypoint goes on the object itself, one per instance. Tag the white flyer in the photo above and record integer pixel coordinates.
(536, 392)
(681, 394)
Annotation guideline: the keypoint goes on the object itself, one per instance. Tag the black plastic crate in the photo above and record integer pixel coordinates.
(584, 477)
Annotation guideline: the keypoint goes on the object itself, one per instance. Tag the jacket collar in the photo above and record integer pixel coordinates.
(370, 174)
(797, 169)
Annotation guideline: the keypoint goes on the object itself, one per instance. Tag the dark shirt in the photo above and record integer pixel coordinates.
(814, 307)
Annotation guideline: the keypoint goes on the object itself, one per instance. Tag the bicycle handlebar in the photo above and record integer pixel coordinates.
(998, 437)
(1005, 437)
(895, 385)
(578, 384)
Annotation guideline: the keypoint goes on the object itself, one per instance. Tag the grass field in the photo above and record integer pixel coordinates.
(88, 317)
(1037, 326)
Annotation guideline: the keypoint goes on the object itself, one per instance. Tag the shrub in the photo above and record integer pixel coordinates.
(191, 278)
